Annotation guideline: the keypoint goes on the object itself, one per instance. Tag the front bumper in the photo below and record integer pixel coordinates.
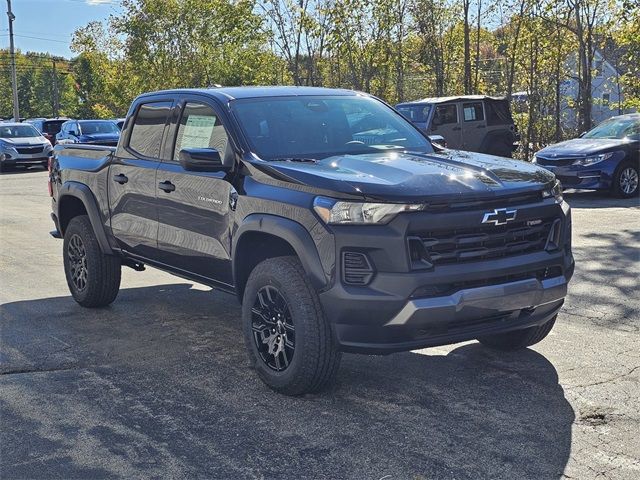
(598, 176)
(405, 309)
(12, 157)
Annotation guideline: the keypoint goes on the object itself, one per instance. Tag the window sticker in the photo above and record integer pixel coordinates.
(197, 131)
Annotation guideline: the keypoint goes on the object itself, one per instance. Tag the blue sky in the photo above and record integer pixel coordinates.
(51, 21)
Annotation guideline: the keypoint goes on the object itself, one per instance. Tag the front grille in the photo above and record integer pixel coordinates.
(481, 243)
(557, 162)
(30, 150)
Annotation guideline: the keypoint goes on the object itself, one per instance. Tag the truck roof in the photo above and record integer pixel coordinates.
(452, 99)
(232, 93)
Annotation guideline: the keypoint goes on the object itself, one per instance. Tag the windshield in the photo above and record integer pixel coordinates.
(415, 113)
(616, 128)
(18, 131)
(317, 127)
(89, 128)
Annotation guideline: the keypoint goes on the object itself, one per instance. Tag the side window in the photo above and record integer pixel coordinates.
(473, 112)
(446, 114)
(200, 127)
(148, 127)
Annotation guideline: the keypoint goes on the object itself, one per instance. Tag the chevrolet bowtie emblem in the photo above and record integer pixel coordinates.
(500, 216)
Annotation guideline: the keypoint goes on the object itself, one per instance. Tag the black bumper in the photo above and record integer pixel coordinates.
(405, 309)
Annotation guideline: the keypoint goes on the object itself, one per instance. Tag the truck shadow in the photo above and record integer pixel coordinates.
(158, 385)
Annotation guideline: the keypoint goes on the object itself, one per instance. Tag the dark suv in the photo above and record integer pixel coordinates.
(333, 220)
(476, 123)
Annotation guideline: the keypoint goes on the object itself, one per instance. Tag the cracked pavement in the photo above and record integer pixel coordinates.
(157, 385)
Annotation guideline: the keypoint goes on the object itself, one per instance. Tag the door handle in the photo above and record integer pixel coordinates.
(167, 186)
(120, 178)
(481, 126)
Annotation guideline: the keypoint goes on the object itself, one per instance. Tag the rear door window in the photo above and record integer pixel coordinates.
(473, 112)
(148, 128)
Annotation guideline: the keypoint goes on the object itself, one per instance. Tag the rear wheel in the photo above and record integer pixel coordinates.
(290, 343)
(518, 339)
(625, 181)
(93, 278)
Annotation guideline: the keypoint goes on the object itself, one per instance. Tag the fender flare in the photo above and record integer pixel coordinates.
(83, 193)
(291, 232)
(504, 133)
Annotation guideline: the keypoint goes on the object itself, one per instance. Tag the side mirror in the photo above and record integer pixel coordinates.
(201, 160)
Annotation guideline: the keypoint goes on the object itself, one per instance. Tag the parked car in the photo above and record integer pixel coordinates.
(476, 123)
(95, 132)
(22, 144)
(49, 127)
(605, 158)
(336, 234)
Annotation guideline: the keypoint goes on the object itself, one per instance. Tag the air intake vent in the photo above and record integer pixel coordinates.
(356, 268)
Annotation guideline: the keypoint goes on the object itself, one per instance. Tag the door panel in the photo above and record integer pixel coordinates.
(193, 232)
(446, 122)
(132, 198)
(474, 126)
(194, 218)
(133, 187)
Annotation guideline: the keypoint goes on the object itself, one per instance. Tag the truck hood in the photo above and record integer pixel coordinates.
(415, 177)
(582, 147)
(25, 141)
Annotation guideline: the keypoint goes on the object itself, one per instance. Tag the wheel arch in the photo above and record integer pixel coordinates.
(77, 199)
(263, 236)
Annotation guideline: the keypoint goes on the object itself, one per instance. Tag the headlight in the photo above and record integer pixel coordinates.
(336, 212)
(593, 159)
(555, 191)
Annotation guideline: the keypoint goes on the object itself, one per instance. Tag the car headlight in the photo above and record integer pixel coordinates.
(593, 159)
(555, 191)
(358, 213)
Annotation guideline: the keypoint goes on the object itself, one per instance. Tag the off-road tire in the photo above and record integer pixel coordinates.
(518, 339)
(316, 358)
(617, 188)
(101, 272)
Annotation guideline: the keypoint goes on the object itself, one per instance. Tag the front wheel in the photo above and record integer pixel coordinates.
(518, 339)
(625, 181)
(93, 278)
(290, 343)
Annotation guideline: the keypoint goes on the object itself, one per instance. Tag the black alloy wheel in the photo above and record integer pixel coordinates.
(273, 329)
(77, 262)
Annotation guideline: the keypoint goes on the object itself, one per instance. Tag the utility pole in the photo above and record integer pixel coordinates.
(56, 101)
(14, 77)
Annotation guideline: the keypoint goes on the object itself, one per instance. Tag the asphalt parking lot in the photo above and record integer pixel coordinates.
(157, 385)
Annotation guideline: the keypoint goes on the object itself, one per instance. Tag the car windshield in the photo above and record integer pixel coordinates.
(316, 127)
(89, 128)
(415, 113)
(18, 131)
(616, 128)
